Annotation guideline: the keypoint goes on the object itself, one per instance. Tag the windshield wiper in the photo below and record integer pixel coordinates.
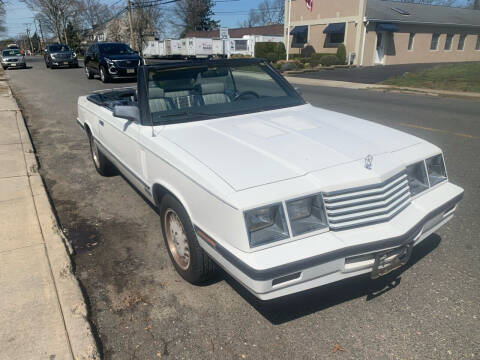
(183, 113)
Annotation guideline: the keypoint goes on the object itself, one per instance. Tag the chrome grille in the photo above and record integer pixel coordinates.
(126, 63)
(367, 204)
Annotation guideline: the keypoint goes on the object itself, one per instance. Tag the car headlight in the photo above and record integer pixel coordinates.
(436, 169)
(266, 224)
(109, 62)
(306, 214)
(417, 177)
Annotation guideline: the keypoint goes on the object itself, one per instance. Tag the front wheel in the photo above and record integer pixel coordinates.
(103, 166)
(88, 73)
(189, 259)
(104, 75)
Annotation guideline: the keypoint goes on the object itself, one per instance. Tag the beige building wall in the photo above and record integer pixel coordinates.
(323, 9)
(397, 50)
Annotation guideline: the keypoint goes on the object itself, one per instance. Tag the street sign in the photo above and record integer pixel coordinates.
(223, 33)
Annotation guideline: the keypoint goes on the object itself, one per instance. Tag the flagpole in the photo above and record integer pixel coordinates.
(288, 27)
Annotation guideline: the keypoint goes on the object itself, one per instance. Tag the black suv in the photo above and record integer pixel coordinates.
(111, 60)
(57, 55)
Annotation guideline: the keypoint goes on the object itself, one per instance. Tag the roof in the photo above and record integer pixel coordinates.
(268, 30)
(391, 11)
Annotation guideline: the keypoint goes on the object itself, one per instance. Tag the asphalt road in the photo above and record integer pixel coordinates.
(142, 309)
(366, 75)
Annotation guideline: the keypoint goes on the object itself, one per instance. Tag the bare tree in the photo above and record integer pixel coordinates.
(193, 15)
(2, 16)
(92, 12)
(268, 12)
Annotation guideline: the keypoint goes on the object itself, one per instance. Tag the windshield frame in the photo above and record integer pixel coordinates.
(60, 46)
(17, 52)
(101, 48)
(144, 71)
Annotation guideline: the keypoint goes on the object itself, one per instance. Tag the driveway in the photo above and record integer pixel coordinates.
(366, 75)
(142, 309)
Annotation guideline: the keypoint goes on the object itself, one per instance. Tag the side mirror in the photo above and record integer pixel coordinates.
(298, 90)
(129, 112)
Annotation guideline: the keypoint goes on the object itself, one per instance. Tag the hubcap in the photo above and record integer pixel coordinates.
(94, 148)
(87, 72)
(102, 74)
(177, 239)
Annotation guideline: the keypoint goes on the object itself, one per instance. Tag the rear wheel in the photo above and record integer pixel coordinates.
(46, 64)
(189, 259)
(103, 166)
(104, 75)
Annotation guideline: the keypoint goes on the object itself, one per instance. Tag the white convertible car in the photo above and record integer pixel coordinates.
(282, 195)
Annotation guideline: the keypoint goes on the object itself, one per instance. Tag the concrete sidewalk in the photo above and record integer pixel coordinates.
(42, 310)
(379, 87)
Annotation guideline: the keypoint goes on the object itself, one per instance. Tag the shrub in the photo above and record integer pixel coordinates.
(266, 50)
(280, 51)
(240, 56)
(288, 66)
(307, 51)
(342, 54)
(277, 66)
(329, 60)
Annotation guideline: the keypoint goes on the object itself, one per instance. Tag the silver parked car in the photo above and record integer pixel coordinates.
(13, 58)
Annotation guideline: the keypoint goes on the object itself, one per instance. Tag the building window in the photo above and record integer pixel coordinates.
(335, 34)
(410, 41)
(461, 42)
(477, 46)
(335, 39)
(300, 36)
(241, 45)
(434, 43)
(448, 42)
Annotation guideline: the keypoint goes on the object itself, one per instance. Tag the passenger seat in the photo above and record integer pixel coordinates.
(181, 99)
(157, 100)
(214, 93)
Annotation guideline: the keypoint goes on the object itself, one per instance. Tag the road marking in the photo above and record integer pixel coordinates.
(441, 131)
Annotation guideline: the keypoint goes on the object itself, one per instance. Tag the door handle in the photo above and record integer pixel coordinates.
(100, 122)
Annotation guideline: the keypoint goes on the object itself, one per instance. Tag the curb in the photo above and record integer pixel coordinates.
(70, 297)
(379, 87)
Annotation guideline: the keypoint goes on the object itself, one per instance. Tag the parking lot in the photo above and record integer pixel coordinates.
(142, 309)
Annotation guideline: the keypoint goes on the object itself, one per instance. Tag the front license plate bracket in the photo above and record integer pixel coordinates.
(387, 261)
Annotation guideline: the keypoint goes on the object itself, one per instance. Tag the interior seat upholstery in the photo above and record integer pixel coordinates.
(157, 100)
(181, 99)
(214, 93)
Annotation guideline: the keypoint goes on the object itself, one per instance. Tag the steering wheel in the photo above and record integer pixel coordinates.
(246, 93)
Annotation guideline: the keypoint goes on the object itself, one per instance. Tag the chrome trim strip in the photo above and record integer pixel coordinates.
(365, 187)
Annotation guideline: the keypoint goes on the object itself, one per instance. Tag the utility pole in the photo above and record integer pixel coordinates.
(129, 7)
(289, 2)
(41, 34)
(29, 39)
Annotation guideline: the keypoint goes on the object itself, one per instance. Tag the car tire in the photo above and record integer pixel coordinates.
(4, 67)
(88, 73)
(104, 75)
(103, 166)
(46, 64)
(188, 258)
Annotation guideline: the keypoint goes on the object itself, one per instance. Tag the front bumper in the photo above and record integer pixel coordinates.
(14, 64)
(68, 62)
(335, 255)
(117, 72)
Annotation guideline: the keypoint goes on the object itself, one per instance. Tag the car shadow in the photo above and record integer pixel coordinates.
(291, 307)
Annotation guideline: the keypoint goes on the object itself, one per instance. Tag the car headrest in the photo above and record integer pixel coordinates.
(156, 93)
(213, 88)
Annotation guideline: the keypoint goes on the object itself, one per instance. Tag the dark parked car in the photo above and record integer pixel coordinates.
(57, 55)
(111, 60)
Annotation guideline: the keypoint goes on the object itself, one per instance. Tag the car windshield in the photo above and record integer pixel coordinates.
(12, 52)
(58, 48)
(115, 49)
(198, 92)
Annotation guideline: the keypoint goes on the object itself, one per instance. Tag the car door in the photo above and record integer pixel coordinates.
(93, 63)
(120, 138)
(88, 56)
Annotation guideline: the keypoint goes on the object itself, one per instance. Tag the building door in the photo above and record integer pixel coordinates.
(380, 50)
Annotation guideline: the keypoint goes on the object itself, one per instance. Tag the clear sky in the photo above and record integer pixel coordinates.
(230, 14)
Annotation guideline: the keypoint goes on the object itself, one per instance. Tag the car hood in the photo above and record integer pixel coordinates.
(12, 57)
(257, 149)
(122, 57)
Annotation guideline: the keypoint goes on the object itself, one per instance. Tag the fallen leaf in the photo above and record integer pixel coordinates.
(159, 354)
(337, 348)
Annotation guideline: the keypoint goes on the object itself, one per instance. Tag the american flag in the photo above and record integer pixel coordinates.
(309, 4)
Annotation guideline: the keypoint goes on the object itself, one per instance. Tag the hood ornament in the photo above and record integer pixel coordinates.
(368, 162)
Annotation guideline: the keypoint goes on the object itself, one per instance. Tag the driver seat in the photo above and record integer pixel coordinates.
(157, 100)
(214, 93)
